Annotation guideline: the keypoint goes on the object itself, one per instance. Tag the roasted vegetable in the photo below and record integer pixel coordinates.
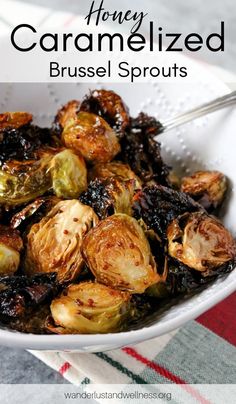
(65, 114)
(142, 152)
(206, 187)
(10, 248)
(115, 169)
(109, 106)
(118, 254)
(91, 136)
(69, 174)
(54, 244)
(33, 212)
(20, 293)
(23, 181)
(109, 196)
(14, 120)
(158, 206)
(89, 308)
(200, 241)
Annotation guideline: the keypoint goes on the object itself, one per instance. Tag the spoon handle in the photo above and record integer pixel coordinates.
(209, 107)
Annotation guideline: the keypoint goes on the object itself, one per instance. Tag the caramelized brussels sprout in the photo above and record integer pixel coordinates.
(109, 106)
(200, 241)
(142, 152)
(20, 294)
(69, 174)
(54, 244)
(14, 120)
(158, 206)
(206, 187)
(10, 247)
(65, 114)
(23, 181)
(91, 136)
(109, 196)
(118, 254)
(89, 308)
(114, 169)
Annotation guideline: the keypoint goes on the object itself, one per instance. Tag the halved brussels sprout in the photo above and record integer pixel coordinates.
(23, 181)
(91, 136)
(200, 241)
(114, 169)
(54, 244)
(206, 187)
(10, 247)
(89, 308)
(14, 120)
(109, 106)
(118, 254)
(109, 196)
(69, 174)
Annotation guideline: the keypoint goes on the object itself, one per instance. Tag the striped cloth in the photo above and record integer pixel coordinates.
(202, 352)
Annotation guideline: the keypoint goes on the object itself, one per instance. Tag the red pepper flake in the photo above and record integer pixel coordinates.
(136, 263)
(65, 231)
(91, 302)
(75, 219)
(79, 302)
(131, 246)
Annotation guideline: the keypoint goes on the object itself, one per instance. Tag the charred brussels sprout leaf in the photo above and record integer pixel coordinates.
(54, 244)
(142, 152)
(19, 293)
(69, 174)
(109, 196)
(91, 136)
(110, 107)
(201, 242)
(89, 308)
(64, 115)
(119, 255)
(10, 247)
(206, 187)
(158, 206)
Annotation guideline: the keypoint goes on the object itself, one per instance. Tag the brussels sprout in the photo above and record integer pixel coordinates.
(65, 114)
(89, 308)
(14, 120)
(206, 187)
(200, 241)
(109, 106)
(109, 196)
(69, 174)
(10, 247)
(23, 181)
(114, 169)
(118, 254)
(91, 136)
(54, 244)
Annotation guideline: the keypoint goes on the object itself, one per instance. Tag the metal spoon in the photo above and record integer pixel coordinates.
(212, 106)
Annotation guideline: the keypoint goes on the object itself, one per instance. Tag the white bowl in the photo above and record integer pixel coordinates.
(208, 142)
